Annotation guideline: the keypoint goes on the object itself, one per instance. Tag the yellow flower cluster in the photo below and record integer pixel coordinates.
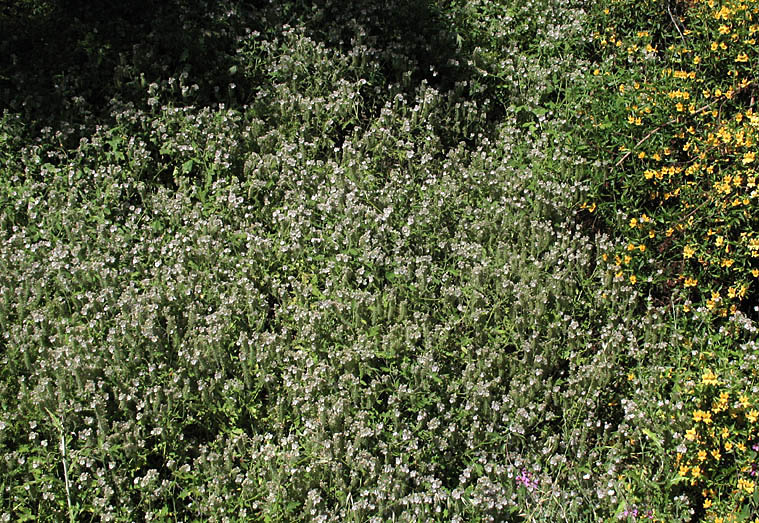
(722, 446)
(691, 152)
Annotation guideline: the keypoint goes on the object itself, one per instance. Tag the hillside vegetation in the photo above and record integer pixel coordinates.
(330, 260)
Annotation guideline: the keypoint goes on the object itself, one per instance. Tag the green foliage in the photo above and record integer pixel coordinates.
(680, 130)
(360, 262)
(671, 124)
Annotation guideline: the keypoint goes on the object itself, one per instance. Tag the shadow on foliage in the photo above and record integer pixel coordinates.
(69, 61)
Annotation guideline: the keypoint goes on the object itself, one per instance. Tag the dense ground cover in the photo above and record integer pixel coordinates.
(362, 261)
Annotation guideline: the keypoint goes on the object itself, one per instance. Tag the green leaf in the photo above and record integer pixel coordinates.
(653, 437)
(620, 508)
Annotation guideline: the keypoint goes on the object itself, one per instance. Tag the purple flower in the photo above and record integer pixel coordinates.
(633, 512)
(526, 479)
(629, 513)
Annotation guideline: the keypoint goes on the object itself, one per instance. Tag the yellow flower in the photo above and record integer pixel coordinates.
(709, 378)
(633, 279)
(728, 446)
(716, 454)
(702, 455)
(743, 57)
(691, 282)
(723, 13)
(752, 416)
(748, 158)
(707, 503)
(690, 434)
(746, 484)
(688, 251)
(633, 223)
(684, 470)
